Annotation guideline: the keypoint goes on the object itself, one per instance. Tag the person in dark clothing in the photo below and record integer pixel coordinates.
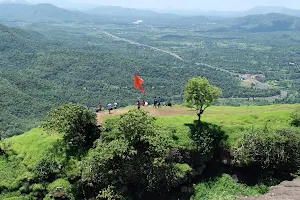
(155, 102)
(99, 109)
(139, 104)
(159, 102)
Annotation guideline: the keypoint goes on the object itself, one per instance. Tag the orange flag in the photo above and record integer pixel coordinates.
(138, 82)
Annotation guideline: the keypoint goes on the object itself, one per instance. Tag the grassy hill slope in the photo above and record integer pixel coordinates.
(25, 152)
(234, 121)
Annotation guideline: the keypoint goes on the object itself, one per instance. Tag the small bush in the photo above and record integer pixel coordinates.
(77, 122)
(275, 150)
(295, 115)
(226, 188)
(46, 170)
(109, 194)
(38, 190)
(60, 188)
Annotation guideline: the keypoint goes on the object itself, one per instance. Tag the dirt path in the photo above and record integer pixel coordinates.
(155, 112)
(287, 190)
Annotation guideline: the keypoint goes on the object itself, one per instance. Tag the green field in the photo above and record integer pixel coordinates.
(24, 153)
(234, 121)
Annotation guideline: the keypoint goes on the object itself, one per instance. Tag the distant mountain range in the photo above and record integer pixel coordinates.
(38, 13)
(256, 19)
(267, 10)
(127, 12)
(264, 23)
(254, 11)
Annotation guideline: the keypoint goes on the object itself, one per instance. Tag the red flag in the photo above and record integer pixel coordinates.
(138, 82)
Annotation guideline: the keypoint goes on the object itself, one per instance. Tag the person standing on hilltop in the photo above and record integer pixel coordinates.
(115, 106)
(155, 102)
(159, 102)
(100, 108)
(109, 107)
(138, 104)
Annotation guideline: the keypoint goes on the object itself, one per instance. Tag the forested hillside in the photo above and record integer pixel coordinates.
(45, 64)
(39, 72)
(273, 9)
(268, 23)
(38, 13)
(262, 23)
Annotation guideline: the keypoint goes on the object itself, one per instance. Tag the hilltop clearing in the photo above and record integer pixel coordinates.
(233, 120)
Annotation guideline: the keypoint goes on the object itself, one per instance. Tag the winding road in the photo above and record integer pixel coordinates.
(142, 45)
(283, 94)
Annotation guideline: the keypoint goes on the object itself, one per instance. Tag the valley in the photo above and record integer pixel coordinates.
(231, 82)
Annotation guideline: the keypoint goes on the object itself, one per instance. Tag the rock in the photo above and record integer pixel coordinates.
(287, 190)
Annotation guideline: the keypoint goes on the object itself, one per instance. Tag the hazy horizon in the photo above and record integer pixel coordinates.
(207, 5)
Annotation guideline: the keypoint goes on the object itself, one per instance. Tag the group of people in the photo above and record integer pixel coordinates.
(110, 107)
(157, 103)
(143, 104)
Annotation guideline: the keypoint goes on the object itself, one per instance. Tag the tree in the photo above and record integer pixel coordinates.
(201, 94)
(134, 157)
(77, 122)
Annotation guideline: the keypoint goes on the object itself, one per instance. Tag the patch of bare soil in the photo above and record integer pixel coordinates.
(152, 111)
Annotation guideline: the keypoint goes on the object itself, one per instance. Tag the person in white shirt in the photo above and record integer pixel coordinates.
(115, 106)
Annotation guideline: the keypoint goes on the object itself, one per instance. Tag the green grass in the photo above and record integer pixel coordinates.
(32, 147)
(225, 188)
(24, 152)
(27, 150)
(234, 121)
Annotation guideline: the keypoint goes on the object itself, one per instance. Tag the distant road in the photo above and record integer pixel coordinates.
(142, 45)
(258, 83)
(218, 69)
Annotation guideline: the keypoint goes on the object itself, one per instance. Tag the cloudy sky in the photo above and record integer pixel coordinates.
(221, 5)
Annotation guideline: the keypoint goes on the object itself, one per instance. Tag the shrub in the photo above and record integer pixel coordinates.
(226, 188)
(135, 159)
(46, 170)
(276, 150)
(295, 115)
(77, 122)
(38, 190)
(60, 189)
(109, 194)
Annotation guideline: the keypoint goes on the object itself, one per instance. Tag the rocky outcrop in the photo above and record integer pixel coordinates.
(287, 190)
